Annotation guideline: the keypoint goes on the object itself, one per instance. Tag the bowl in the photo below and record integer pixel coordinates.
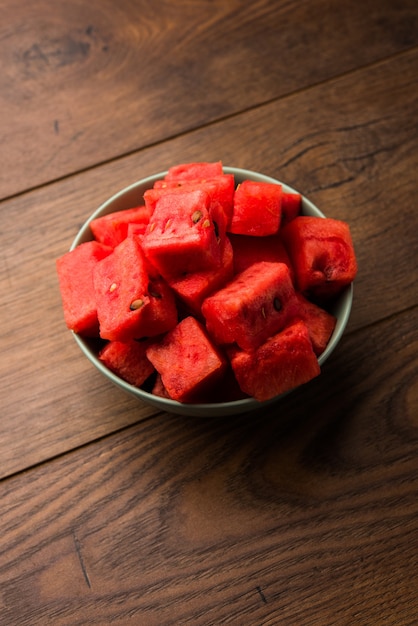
(132, 196)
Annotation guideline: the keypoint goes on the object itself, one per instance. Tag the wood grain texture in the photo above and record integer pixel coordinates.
(82, 83)
(305, 514)
(111, 513)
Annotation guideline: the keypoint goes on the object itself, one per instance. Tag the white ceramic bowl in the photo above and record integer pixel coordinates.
(132, 196)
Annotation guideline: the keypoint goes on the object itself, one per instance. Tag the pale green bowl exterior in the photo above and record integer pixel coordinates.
(132, 196)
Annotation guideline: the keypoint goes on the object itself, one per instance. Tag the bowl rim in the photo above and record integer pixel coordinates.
(208, 409)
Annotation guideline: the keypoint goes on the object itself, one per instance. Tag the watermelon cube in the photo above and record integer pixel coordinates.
(75, 275)
(219, 208)
(194, 287)
(251, 307)
(248, 250)
(127, 360)
(161, 314)
(180, 236)
(221, 190)
(194, 170)
(257, 209)
(320, 323)
(187, 360)
(291, 206)
(322, 254)
(111, 229)
(158, 388)
(121, 291)
(285, 361)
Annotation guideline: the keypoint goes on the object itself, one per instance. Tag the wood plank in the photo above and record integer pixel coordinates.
(84, 82)
(177, 520)
(357, 160)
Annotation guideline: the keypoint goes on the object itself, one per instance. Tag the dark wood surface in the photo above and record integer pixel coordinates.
(302, 514)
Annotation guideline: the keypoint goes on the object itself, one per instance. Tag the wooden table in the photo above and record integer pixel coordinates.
(302, 514)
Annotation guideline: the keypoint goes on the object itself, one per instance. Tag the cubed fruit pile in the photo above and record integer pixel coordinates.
(209, 291)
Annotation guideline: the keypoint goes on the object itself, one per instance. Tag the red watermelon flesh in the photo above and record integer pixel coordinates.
(136, 230)
(225, 390)
(161, 313)
(249, 250)
(251, 307)
(181, 237)
(194, 287)
(320, 323)
(257, 209)
(219, 213)
(75, 274)
(285, 361)
(159, 389)
(221, 190)
(188, 362)
(111, 229)
(128, 361)
(291, 206)
(195, 170)
(322, 254)
(121, 291)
